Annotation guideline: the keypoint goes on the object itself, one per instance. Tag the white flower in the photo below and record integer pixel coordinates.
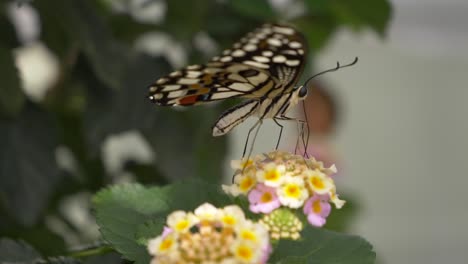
(246, 252)
(243, 183)
(164, 245)
(252, 232)
(335, 200)
(180, 221)
(319, 182)
(207, 211)
(272, 174)
(292, 192)
(231, 215)
(241, 164)
(221, 236)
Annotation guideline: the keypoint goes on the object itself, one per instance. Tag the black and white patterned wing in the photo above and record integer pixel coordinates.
(265, 62)
(213, 81)
(277, 49)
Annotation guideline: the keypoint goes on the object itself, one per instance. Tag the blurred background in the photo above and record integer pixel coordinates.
(74, 116)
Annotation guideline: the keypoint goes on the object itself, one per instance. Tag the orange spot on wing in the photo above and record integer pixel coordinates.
(188, 100)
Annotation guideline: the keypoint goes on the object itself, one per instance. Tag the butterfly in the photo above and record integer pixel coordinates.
(263, 67)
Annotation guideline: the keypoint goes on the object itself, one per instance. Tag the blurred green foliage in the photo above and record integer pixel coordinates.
(100, 91)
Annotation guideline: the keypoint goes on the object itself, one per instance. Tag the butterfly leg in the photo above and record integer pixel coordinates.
(308, 130)
(280, 133)
(258, 123)
(301, 134)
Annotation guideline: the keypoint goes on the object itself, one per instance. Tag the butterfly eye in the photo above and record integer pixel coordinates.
(302, 92)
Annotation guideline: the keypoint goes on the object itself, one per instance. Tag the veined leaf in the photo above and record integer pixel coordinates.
(319, 246)
(128, 215)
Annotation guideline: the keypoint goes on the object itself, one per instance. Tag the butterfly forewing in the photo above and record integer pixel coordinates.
(276, 49)
(264, 63)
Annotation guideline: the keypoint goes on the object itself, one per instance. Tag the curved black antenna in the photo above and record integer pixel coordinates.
(338, 66)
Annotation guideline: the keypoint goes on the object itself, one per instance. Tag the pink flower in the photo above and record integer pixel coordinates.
(317, 210)
(166, 231)
(263, 199)
(266, 251)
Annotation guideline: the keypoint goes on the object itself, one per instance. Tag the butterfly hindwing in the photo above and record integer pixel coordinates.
(266, 62)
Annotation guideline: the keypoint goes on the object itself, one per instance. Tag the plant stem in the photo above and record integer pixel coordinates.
(101, 250)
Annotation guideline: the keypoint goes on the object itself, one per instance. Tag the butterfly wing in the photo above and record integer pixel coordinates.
(266, 62)
(277, 49)
(214, 81)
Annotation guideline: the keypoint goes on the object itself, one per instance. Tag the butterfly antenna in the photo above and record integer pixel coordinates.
(338, 66)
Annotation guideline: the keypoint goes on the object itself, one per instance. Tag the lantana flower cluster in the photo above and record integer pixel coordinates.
(211, 235)
(281, 179)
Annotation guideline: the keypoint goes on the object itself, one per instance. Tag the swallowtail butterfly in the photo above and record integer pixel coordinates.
(263, 67)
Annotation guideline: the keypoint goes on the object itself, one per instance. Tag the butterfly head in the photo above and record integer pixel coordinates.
(302, 92)
(299, 93)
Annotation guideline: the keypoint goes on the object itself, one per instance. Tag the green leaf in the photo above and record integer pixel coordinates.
(150, 229)
(28, 171)
(315, 7)
(127, 29)
(19, 252)
(322, 246)
(189, 194)
(55, 30)
(183, 20)
(184, 195)
(317, 30)
(129, 108)
(11, 96)
(35, 236)
(16, 252)
(258, 9)
(7, 30)
(60, 260)
(191, 143)
(112, 112)
(110, 258)
(340, 220)
(224, 24)
(359, 13)
(130, 214)
(121, 209)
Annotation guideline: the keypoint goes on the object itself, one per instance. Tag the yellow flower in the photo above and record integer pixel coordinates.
(272, 174)
(292, 192)
(337, 201)
(319, 182)
(180, 221)
(164, 245)
(217, 235)
(231, 215)
(245, 252)
(243, 183)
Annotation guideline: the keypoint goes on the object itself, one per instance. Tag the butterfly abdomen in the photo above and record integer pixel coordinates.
(234, 116)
